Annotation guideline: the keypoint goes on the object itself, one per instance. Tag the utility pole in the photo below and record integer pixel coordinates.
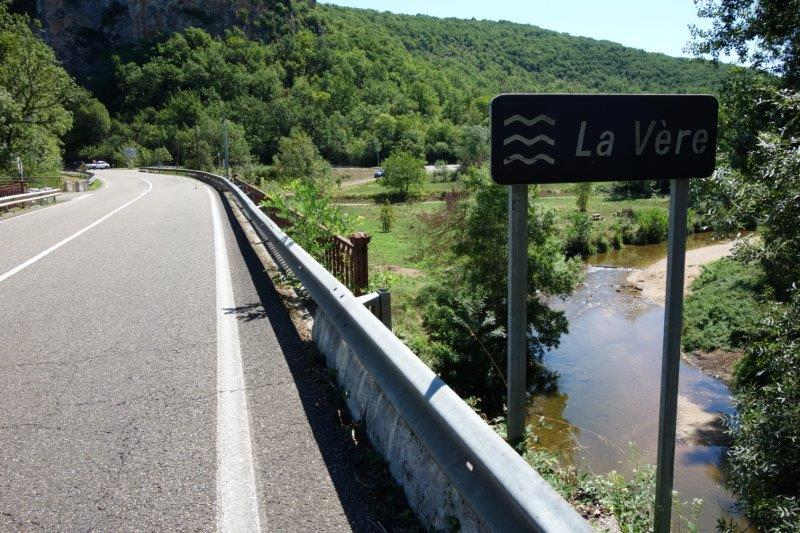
(227, 163)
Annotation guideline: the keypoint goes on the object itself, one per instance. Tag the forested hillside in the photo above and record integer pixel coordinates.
(361, 83)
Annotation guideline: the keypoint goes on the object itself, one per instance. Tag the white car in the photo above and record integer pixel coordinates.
(94, 165)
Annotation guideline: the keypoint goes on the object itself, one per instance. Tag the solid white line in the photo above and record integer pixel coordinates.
(237, 502)
(58, 245)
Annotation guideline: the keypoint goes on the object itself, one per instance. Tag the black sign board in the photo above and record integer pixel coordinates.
(546, 138)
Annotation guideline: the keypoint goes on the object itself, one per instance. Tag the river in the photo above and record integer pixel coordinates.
(605, 414)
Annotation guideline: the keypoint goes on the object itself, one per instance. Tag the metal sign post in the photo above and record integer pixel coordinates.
(19, 169)
(517, 310)
(551, 138)
(671, 358)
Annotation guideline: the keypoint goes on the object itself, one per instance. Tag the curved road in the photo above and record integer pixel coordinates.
(149, 381)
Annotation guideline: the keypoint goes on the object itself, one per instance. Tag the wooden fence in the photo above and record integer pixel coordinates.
(345, 257)
(12, 187)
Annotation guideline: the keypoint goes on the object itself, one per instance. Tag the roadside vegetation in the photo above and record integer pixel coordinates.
(329, 85)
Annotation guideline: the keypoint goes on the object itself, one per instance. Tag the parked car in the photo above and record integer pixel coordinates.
(379, 173)
(94, 165)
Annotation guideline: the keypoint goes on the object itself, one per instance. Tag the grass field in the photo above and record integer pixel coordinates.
(375, 192)
(397, 258)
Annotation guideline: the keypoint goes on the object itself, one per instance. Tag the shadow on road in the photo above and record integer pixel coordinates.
(370, 499)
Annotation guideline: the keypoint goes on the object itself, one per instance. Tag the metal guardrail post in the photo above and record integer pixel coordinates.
(385, 303)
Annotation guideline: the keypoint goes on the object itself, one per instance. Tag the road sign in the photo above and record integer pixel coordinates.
(547, 138)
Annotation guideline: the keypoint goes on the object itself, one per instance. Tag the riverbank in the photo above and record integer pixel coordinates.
(651, 283)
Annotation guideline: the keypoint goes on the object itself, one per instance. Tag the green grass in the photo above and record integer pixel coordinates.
(726, 304)
(96, 184)
(39, 182)
(375, 192)
(402, 246)
(599, 204)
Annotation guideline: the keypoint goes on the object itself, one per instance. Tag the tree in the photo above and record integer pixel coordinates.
(473, 148)
(161, 156)
(464, 310)
(299, 159)
(762, 32)
(34, 94)
(584, 190)
(773, 198)
(764, 460)
(404, 174)
(91, 124)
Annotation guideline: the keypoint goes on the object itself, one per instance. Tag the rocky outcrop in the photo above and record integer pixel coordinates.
(82, 32)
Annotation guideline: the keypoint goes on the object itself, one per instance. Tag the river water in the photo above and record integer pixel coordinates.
(604, 416)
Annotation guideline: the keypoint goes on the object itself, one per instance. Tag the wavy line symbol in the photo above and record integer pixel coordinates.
(529, 121)
(530, 142)
(523, 159)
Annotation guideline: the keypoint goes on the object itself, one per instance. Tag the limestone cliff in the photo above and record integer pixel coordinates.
(82, 32)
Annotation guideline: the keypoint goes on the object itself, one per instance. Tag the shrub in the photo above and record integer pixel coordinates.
(653, 224)
(584, 191)
(600, 243)
(577, 241)
(764, 461)
(724, 307)
(616, 236)
(387, 217)
(404, 174)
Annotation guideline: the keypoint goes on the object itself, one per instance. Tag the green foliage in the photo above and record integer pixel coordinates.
(35, 93)
(761, 32)
(464, 310)
(473, 147)
(764, 460)
(404, 174)
(365, 84)
(91, 123)
(578, 239)
(652, 225)
(387, 217)
(724, 307)
(627, 497)
(299, 159)
(621, 190)
(584, 192)
(161, 156)
(312, 216)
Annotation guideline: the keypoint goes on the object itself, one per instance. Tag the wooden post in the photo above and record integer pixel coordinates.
(360, 265)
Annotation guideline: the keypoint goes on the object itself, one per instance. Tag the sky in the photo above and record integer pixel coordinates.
(652, 25)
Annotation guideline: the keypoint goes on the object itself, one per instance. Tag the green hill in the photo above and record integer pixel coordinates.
(361, 83)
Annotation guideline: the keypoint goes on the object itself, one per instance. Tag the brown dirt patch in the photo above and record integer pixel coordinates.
(404, 271)
(719, 363)
(652, 280)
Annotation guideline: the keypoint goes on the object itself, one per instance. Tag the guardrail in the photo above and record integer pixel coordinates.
(21, 199)
(502, 492)
(78, 181)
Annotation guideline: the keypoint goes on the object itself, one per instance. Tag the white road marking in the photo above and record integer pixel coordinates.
(237, 501)
(37, 257)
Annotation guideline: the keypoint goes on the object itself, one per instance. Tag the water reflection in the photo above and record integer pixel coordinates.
(608, 393)
(642, 256)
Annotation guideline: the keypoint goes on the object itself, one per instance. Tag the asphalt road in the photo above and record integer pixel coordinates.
(150, 379)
